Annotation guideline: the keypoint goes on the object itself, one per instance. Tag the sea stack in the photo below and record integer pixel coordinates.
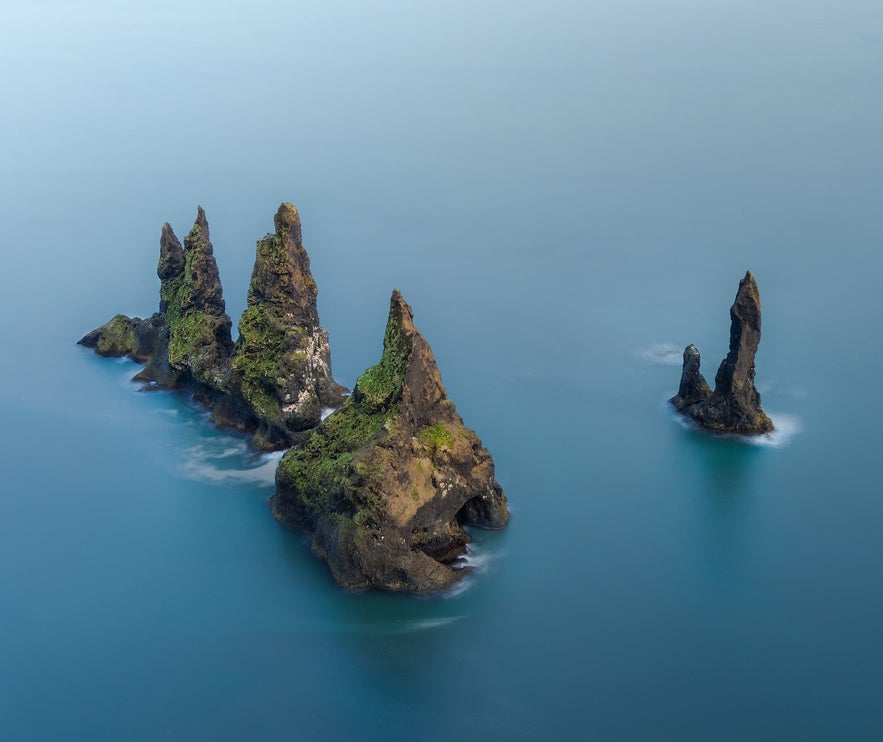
(277, 378)
(384, 485)
(282, 361)
(734, 405)
(192, 306)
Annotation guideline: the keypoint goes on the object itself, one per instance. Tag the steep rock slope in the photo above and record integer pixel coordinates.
(384, 485)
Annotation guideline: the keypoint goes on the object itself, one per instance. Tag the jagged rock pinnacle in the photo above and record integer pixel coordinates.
(736, 372)
(171, 254)
(203, 282)
(282, 361)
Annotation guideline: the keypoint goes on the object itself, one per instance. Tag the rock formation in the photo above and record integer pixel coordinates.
(277, 377)
(384, 485)
(734, 405)
(282, 362)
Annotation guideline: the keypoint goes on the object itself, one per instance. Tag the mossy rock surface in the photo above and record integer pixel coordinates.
(282, 361)
(115, 338)
(330, 470)
(192, 303)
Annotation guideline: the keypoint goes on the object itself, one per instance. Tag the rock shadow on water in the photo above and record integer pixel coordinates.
(721, 475)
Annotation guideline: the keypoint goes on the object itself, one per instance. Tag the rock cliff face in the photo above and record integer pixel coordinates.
(384, 485)
(282, 361)
(734, 405)
(277, 377)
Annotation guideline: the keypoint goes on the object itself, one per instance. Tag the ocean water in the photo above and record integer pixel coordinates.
(567, 194)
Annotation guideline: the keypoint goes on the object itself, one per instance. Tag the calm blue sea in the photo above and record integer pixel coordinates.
(567, 193)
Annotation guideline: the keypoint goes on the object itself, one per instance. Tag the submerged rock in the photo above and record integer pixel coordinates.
(282, 362)
(384, 485)
(734, 405)
(277, 378)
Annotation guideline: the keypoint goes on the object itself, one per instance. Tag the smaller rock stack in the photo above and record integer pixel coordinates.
(734, 405)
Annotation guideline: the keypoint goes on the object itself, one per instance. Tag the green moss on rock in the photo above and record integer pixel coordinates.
(193, 308)
(281, 366)
(382, 383)
(436, 436)
(118, 337)
(256, 362)
(324, 472)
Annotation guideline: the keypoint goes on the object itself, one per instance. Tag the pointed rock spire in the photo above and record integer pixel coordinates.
(171, 255)
(734, 406)
(282, 362)
(693, 388)
(385, 484)
(192, 307)
(735, 376)
(202, 280)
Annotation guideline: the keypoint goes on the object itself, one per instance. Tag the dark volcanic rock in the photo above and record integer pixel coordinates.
(734, 405)
(282, 363)
(384, 484)
(693, 388)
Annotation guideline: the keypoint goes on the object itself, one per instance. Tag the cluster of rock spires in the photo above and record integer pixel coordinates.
(734, 405)
(276, 379)
(383, 485)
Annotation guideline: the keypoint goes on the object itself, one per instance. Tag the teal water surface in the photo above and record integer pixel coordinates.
(567, 194)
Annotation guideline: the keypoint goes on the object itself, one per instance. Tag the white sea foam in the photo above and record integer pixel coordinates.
(227, 452)
(326, 411)
(200, 465)
(785, 428)
(478, 561)
(397, 626)
(664, 353)
(431, 623)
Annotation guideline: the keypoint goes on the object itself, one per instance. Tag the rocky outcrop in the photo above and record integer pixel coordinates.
(114, 338)
(734, 405)
(276, 379)
(282, 361)
(385, 485)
